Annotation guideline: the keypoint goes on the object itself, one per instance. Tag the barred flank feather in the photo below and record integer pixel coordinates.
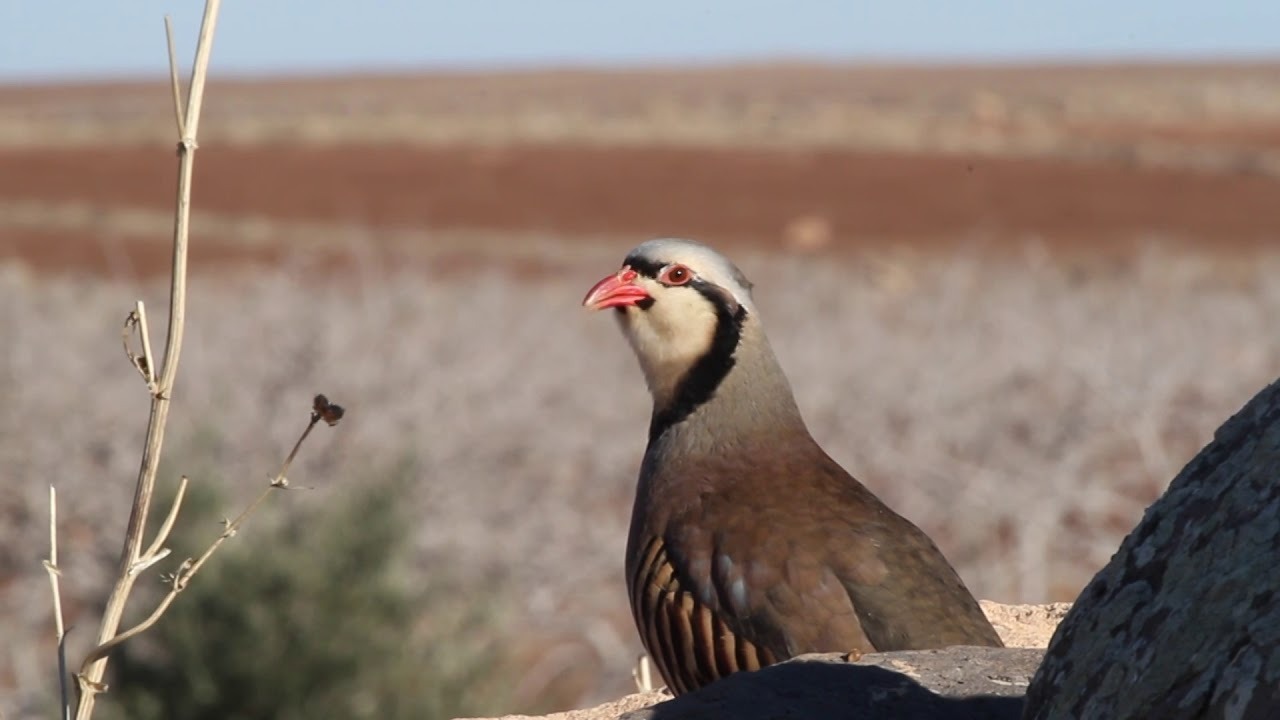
(689, 643)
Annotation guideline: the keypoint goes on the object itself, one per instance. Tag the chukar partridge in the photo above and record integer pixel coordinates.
(748, 543)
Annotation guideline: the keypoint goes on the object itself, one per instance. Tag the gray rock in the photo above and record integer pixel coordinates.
(1184, 622)
(957, 683)
(950, 673)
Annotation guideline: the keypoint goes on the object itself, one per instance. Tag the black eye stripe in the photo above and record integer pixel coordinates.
(645, 267)
(653, 269)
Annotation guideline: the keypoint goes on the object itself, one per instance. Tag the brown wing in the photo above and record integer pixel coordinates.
(921, 602)
(744, 576)
(689, 640)
(712, 602)
(906, 594)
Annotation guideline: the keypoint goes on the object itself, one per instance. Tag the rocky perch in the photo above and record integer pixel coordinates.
(1182, 623)
(910, 684)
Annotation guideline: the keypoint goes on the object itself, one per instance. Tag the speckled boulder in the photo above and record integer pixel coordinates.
(1184, 622)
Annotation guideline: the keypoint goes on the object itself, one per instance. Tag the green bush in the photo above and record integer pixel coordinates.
(312, 613)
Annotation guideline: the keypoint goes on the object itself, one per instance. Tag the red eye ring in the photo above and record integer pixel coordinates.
(676, 274)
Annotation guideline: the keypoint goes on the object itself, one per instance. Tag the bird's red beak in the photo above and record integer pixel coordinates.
(618, 290)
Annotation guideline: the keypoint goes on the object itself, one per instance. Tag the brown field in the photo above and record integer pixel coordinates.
(1079, 157)
(1014, 301)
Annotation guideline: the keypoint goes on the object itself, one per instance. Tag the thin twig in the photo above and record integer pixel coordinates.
(167, 526)
(64, 692)
(90, 678)
(144, 363)
(148, 358)
(173, 77)
(51, 566)
(642, 673)
(126, 332)
(189, 567)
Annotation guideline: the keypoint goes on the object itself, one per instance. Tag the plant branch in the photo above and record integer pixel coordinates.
(51, 566)
(147, 355)
(167, 526)
(145, 363)
(175, 82)
(91, 676)
(322, 409)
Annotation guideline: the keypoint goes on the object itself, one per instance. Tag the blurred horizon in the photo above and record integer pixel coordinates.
(104, 42)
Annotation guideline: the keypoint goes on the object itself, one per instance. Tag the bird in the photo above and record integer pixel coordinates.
(748, 543)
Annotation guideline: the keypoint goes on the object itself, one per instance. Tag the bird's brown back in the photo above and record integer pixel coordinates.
(743, 558)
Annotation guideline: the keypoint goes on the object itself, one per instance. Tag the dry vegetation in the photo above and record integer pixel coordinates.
(1023, 411)
(1002, 331)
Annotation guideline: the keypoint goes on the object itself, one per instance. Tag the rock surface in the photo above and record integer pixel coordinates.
(1184, 622)
(929, 684)
(955, 683)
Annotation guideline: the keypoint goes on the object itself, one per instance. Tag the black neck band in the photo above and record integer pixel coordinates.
(699, 384)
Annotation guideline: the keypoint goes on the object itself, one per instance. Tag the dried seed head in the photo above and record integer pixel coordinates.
(329, 412)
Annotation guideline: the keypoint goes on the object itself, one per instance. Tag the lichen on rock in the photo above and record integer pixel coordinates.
(1184, 622)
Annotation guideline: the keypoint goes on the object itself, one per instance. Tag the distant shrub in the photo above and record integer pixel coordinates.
(313, 613)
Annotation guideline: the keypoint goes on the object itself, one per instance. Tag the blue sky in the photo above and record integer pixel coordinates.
(42, 39)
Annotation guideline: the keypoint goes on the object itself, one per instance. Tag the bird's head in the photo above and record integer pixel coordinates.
(682, 306)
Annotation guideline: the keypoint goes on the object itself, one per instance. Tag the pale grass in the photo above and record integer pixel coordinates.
(1022, 411)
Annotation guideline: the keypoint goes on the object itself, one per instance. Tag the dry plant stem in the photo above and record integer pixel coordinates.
(144, 364)
(51, 566)
(156, 550)
(179, 583)
(148, 357)
(642, 673)
(189, 568)
(175, 82)
(91, 677)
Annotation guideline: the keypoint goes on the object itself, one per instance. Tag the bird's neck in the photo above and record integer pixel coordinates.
(728, 400)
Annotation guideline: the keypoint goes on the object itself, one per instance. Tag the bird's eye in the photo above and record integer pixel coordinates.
(676, 275)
